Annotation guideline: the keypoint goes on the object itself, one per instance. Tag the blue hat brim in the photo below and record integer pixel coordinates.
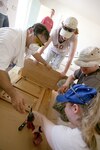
(78, 94)
(61, 98)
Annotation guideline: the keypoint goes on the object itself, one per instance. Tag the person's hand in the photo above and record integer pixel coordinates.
(18, 102)
(63, 89)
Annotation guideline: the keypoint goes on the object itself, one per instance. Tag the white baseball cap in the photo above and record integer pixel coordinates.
(68, 27)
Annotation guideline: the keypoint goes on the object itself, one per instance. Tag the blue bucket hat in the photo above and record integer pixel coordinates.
(78, 94)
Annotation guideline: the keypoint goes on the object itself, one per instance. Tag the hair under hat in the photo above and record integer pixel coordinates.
(88, 57)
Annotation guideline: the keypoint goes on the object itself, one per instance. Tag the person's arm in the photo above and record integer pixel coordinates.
(73, 46)
(41, 50)
(46, 125)
(38, 57)
(66, 85)
(16, 98)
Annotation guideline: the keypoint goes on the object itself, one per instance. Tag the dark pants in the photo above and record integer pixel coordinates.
(4, 21)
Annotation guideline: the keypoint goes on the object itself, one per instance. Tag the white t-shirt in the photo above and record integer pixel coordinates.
(12, 47)
(60, 48)
(65, 138)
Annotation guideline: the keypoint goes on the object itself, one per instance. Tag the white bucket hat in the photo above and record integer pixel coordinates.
(71, 23)
(88, 57)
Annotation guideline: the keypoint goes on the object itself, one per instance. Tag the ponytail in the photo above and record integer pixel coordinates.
(91, 123)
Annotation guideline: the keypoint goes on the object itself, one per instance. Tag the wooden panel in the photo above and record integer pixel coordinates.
(51, 113)
(40, 74)
(30, 100)
(46, 101)
(30, 87)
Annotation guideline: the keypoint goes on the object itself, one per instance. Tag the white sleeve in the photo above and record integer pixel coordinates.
(33, 48)
(5, 59)
(58, 137)
(66, 138)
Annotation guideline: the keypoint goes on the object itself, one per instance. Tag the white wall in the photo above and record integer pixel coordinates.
(34, 11)
(23, 13)
(12, 9)
(45, 11)
(89, 32)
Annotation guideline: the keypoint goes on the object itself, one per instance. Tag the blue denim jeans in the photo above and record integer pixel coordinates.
(54, 59)
(4, 21)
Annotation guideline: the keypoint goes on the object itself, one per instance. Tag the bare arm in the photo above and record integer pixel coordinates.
(16, 98)
(70, 57)
(38, 57)
(44, 47)
(46, 125)
(66, 85)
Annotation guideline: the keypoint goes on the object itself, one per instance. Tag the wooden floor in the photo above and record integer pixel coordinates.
(10, 137)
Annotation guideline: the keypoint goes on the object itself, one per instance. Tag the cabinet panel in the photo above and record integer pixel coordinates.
(40, 74)
(30, 87)
(31, 100)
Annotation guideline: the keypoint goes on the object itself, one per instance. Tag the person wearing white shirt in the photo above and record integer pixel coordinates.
(82, 108)
(63, 41)
(13, 45)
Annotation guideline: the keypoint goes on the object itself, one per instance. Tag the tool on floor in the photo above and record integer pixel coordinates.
(28, 121)
(37, 137)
